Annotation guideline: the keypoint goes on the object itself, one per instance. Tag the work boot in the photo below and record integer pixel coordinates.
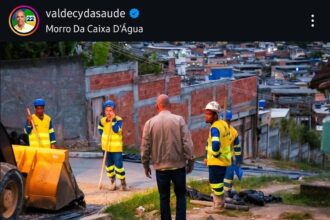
(123, 186)
(218, 205)
(112, 184)
(218, 201)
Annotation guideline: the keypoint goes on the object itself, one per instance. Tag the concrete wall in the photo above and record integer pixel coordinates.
(274, 145)
(136, 95)
(60, 81)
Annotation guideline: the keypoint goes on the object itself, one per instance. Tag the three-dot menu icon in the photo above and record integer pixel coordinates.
(312, 20)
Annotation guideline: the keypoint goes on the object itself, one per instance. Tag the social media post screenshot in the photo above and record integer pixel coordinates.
(164, 110)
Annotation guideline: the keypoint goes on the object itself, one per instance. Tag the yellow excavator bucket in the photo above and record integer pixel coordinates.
(50, 183)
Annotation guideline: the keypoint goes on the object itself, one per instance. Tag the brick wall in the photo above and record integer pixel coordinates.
(104, 81)
(174, 86)
(244, 90)
(199, 137)
(74, 95)
(199, 100)
(151, 89)
(136, 99)
(221, 94)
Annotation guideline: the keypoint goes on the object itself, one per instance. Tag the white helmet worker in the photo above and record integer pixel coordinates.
(213, 106)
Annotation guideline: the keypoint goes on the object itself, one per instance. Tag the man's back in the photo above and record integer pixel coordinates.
(169, 140)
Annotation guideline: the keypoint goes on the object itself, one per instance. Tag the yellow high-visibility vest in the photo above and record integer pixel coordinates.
(225, 141)
(42, 127)
(115, 142)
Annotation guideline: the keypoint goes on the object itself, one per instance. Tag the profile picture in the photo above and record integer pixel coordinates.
(24, 20)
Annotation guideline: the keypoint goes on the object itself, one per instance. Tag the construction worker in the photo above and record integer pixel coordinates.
(39, 127)
(218, 153)
(110, 128)
(236, 155)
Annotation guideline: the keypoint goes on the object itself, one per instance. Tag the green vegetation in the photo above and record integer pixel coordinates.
(25, 50)
(150, 199)
(245, 183)
(99, 53)
(299, 199)
(300, 134)
(126, 209)
(131, 150)
(325, 176)
(201, 185)
(295, 216)
(258, 182)
(148, 63)
(294, 130)
(313, 138)
(292, 165)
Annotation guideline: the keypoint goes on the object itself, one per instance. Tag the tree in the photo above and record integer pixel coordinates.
(24, 50)
(148, 63)
(100, 53)
(313, 138)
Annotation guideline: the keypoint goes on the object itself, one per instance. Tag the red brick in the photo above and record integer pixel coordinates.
(221, 94)
(110, 80)
(199, 99)
(199, 138)
(244, 90)
(174, 86)
(180, 109)
(151, 89)
(145, 113)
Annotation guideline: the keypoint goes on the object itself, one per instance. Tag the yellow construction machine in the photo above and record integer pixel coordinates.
(34, 177)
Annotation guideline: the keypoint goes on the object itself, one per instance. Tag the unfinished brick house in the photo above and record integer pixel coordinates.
(135, 97)
(74, 97)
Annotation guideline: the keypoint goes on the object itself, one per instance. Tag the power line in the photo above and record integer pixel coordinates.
(125, 52)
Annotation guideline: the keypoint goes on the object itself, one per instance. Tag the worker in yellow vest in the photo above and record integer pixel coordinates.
(218, 153)
(110, 129)
(236, 155)
(42, 134)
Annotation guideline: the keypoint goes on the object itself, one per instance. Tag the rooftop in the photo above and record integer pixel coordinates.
(246, 66)
(261, 87)
(323, 110)
(292, 66)
(279, 112)
(243, 75)
(293, 91)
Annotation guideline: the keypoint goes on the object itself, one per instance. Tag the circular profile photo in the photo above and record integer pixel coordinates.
(23, 20)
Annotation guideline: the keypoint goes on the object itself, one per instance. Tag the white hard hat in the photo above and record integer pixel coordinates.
(213, 106)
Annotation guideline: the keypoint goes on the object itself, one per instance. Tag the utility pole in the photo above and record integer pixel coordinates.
(255, 139)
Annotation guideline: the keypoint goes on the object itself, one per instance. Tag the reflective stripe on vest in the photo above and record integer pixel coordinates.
(42, 127)
(225, 150)
(115, 142)
(234, 134)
